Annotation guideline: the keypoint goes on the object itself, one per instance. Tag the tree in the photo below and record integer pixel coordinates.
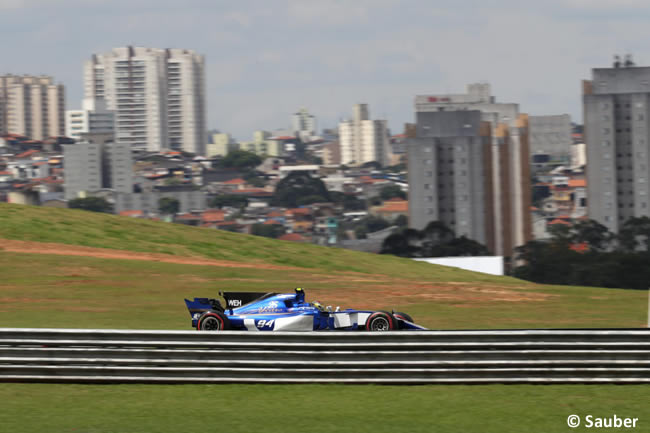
(594, 234)
(168, 205)
(391, 191)
(401, 221)
(310, 199)
(298, 184)
(93, 204)
(635, 235)
(228, 200)
(350, 202)
(241, 159)
(268, 230)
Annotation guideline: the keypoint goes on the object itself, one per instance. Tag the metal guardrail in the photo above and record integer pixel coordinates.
(422, 357)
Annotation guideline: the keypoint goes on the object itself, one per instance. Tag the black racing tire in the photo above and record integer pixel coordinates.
(403, 316)
(213, 321)
(380, 321)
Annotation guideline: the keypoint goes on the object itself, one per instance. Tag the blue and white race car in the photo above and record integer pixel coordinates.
(249, 311)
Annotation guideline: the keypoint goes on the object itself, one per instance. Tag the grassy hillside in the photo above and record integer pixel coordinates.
(83, 290)
(80, 290)
(76, 227)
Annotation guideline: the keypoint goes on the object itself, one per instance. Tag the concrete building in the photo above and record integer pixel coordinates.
(221, 144)
(552, 136)
(31, 106)
(158, 96)
(363, 140)
(97, 163)
(303, 124)
(92, 118)
(450, 173)
(511, 223)
(332, 153)
(617, 137)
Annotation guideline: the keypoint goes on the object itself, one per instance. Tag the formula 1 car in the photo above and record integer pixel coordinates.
(249, 311)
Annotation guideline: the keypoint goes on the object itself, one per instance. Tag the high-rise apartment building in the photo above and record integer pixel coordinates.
(450, 174)
(158, 96)
(93, 118)
(510, 196)
(551, 135)
(303, 124)
(31, 106)
(617, 137)
(363, 140)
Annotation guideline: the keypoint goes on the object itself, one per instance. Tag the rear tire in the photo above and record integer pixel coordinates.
(213, 321)
(381, 321)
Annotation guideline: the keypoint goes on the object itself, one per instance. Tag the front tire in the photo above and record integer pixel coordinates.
(381, 321)
(403, 316)
(213, 321)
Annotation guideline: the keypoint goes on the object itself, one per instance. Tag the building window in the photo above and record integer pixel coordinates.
(429, 198)
(430, 211)
(605, 143)
(428, 149)
(428, 161)
(606, 131)
(427, 186)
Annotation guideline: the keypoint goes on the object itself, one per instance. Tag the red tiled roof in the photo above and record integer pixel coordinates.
(131, 213)
(534, 208)
(580, 248)
(274, 214)
(213, 215)
(295, 237)
(282, 137)
(272, 221)
(298, 211)
(27, 153)
(237, 181)
(559, 221)
(576, 183)
(394, 206)
(5, 173)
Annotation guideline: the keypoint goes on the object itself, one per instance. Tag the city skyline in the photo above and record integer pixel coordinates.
(264, 61)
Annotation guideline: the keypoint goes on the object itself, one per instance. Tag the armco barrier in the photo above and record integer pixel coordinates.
(500, 356)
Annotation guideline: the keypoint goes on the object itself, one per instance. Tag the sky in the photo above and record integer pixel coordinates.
(265, 59)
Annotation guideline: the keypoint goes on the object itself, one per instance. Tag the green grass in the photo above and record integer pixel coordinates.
(75, 227)
(40, 290)
(313, 408)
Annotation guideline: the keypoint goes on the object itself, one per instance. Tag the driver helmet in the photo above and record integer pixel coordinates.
(318, 305)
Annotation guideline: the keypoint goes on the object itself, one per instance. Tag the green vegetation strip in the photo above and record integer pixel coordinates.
(76, 227)
(313, 408)
(40, 290)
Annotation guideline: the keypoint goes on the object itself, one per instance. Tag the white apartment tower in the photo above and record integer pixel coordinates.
(158, 96)
(31, 106)
(92, 118)
(363, 140)
(303, 123)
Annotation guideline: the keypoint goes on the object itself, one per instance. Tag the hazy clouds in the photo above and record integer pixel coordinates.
(267, 58)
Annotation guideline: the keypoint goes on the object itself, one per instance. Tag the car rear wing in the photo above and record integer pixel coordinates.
(239, 299)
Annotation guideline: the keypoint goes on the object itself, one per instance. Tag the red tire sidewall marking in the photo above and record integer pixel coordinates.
(372, 316)
(211, 315)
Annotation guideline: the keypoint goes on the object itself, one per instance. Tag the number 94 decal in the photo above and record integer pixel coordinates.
(265, 323)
